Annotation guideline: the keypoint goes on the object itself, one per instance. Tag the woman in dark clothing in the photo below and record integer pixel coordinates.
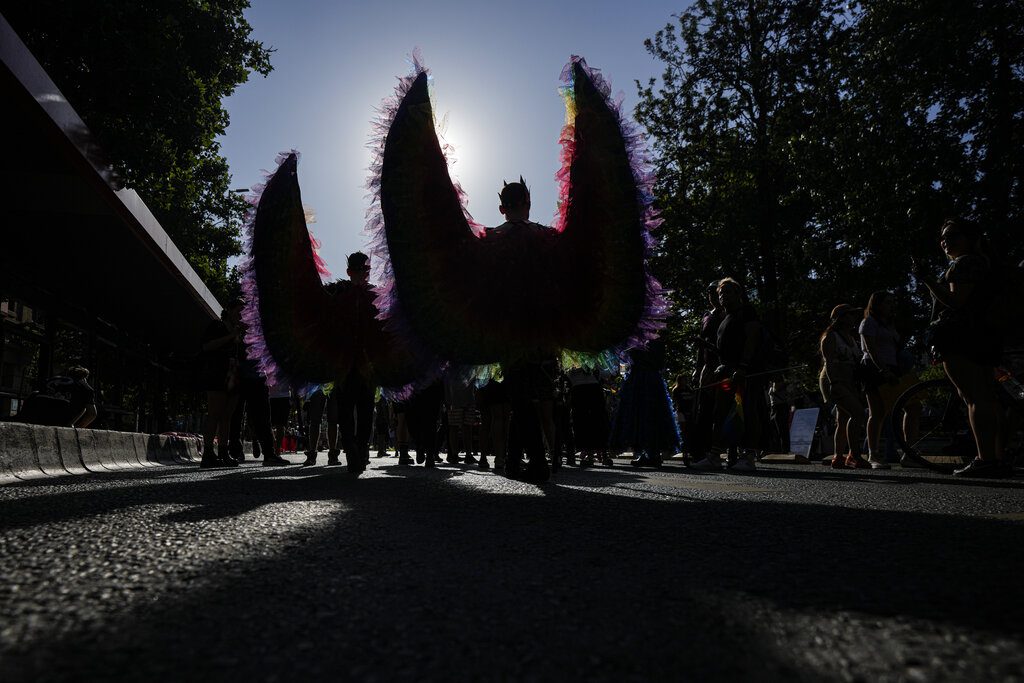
(219, 377)
(645, 419)
(969, 345)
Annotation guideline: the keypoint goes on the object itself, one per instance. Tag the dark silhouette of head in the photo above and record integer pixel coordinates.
(515, 200)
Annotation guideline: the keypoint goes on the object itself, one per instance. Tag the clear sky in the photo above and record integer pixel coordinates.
(495, 67)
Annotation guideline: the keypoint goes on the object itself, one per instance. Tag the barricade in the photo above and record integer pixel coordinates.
(123, 446)
(35, 451)
(70, 450)
(17, 453)
(96, 457)
(47, 451)
(142, 452)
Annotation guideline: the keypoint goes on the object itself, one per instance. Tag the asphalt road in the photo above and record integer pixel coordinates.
(789, 573)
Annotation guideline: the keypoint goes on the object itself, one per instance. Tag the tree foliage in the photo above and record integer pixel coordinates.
(148, 78)
(809, 147)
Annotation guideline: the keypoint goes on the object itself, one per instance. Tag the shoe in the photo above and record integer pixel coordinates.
(381, 454)
(743, 465)
(275, 461)
(987, 469)
(333, 458)
(878, 464)
(483, 464)
(855, 462)
(587, 461)
(209, 463)
(570, 461)
(708, 464)
(404, 459)
(499, 464)
(908, 462)
(838, 462)
(226, 460)
(513, 468)
(537, 471)
(451, 459)
(607, 461)
(310, 460)
(421, 456)
(470, 460)
(428, 461)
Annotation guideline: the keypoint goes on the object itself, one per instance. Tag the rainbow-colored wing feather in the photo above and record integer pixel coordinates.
(580, 290)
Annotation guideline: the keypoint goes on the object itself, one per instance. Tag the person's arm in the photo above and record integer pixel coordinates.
(954, 296)
(828, 354)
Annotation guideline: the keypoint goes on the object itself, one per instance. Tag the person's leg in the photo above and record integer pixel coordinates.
(335, 426)
(224, 428)
(315, 409)
(977, 389)
(258, 402)
(215, 406)
(876, 420)
(87, 417)
(362, 401)
(234, 441)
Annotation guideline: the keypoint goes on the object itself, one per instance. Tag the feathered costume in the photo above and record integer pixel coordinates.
(580, 291)
(452, 293)
(300, 332)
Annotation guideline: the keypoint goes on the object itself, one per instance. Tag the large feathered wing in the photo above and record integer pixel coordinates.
(300, 332)
(478, 297)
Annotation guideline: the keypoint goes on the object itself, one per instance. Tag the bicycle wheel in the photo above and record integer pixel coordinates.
(931, 426)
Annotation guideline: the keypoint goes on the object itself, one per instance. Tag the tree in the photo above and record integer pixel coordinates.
(743, 83)
(148, 78)
(810, 148)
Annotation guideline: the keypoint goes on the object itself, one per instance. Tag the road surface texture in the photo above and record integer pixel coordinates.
(279, 574)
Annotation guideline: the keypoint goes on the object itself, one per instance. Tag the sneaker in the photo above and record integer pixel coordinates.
(743, 465)
(707, 464)
(987, 469)
(275, 461)
(838, 462)
(855, 462)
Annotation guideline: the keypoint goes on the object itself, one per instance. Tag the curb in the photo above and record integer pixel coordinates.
(37, 451)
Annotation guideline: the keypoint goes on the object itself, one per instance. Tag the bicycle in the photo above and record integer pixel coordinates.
(941, 440)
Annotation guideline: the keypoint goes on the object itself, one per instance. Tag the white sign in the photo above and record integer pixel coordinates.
(801, 431)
